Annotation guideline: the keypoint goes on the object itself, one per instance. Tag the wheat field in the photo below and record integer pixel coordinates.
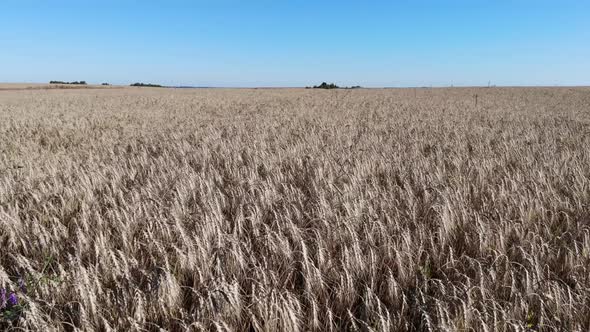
(139, 209)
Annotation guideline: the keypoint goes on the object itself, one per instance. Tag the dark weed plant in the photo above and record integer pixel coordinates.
(11, 304)
(15, 302)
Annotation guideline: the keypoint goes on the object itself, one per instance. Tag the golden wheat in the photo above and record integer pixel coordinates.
(296, 210)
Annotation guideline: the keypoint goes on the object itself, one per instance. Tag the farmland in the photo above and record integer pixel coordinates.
(296, 210)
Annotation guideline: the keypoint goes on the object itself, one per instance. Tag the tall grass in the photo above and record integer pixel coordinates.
(297, 210)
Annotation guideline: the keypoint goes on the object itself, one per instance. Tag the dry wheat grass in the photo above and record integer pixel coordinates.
(297, 210)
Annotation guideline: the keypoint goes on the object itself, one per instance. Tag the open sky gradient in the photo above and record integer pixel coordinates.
(297, 43)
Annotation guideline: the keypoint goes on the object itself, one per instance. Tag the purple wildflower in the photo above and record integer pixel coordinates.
(12, 300)
(22, 285)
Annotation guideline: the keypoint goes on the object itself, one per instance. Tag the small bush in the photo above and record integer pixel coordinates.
(325, 85)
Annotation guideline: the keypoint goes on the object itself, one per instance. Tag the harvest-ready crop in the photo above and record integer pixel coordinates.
(296, 210)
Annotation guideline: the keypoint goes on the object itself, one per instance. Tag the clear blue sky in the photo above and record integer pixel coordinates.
(297, 43)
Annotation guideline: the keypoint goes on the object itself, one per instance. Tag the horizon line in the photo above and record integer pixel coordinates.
(433, 86)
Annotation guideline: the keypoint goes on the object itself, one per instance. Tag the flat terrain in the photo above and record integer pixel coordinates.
(296, 210)
(42, 86)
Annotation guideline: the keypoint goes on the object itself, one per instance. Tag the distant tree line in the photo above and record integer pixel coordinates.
(75, 82)
(147, 85)
(325, 85)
